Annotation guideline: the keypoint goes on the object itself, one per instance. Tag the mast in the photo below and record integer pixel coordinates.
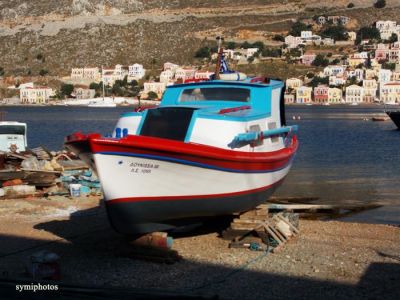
(102, 81)
(220, 52)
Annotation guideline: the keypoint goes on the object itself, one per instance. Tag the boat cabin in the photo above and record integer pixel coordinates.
(190, 112)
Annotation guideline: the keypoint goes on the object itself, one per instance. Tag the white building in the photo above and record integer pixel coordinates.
(306, 35)
(390, 92)
(108, 77)
(249, 52)
(37, 95)
(384, 75)
(333, 71)
(370, 88)
(136, 72)
(166, 76)
(81, 93)
(387, 28)
(337, 80)
(170, 66)
(89, 73)
(203, 74)
(293, 83)
(335, 95)
(354, 94)
(156, 87)
(185, 74)
(293, 41)
(304, 94)
(357, 73)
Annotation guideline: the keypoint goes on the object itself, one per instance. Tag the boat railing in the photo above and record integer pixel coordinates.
(243, 139)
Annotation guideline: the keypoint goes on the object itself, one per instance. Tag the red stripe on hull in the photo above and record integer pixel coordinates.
(203, 154)
(192, 197)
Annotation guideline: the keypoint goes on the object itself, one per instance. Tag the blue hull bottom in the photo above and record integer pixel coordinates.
(149, 216)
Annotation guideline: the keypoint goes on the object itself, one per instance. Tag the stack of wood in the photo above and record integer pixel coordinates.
(279, 227)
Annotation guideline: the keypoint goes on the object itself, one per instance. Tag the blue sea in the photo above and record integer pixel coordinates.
(342, 157)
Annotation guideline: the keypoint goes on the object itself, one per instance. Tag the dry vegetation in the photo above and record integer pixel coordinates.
(70, 33)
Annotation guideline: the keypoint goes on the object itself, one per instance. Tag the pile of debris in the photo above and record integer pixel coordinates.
(38, 172)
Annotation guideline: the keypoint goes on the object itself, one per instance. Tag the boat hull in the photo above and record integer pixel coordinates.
(150, 182)
(395, 116)
(160, 215)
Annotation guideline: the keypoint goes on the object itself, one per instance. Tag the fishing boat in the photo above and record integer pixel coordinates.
(101, 104)
(395, 116)
(210, 148)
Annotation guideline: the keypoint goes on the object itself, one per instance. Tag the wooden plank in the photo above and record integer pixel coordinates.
(279, 217)
(272, 233)
(279, 234)
(301, 206)
(247, 227)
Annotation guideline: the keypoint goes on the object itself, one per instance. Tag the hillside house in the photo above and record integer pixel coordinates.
(382, 52)
(293, 83)
(90, 73)
(83, 93)
(333, 71)
(203, 74)
(136, 72)
(185, 74)
(36, 95)
(384, 75)
(304, 94)
(354, 94)
(390, 92)
(337, 80)
(321, 94)
(293, 41)
(156, 87)
(290, 98)
(170, 66)
(370, 88)
(371, 74)
(308, 58)
(166, 76)
(387, 28)
(335, 95)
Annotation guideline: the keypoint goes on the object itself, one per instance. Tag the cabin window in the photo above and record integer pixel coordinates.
(168, 122)
(215, 94)
(12, 129)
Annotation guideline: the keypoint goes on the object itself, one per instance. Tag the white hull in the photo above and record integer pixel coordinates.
(135, 177)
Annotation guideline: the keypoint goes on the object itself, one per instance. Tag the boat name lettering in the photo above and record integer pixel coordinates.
(144, 165)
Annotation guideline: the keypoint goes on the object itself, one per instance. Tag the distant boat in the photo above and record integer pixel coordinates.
(395, 116)
(380, 118)
(13, 136)
(101, 104)
(353, 103)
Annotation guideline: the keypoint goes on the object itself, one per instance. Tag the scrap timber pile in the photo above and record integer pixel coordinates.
(38, 172)
(259, 229)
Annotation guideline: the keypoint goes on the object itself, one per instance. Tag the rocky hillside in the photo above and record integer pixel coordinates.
(47, 35)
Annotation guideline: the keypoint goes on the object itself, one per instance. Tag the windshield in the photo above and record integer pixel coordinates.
(215, 94)
(12, 129)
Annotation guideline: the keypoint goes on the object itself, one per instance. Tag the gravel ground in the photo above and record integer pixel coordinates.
(328, 259)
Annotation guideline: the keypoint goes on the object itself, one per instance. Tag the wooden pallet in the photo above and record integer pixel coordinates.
(259, 222)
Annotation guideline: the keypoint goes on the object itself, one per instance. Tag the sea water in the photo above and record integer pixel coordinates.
(343, 156)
